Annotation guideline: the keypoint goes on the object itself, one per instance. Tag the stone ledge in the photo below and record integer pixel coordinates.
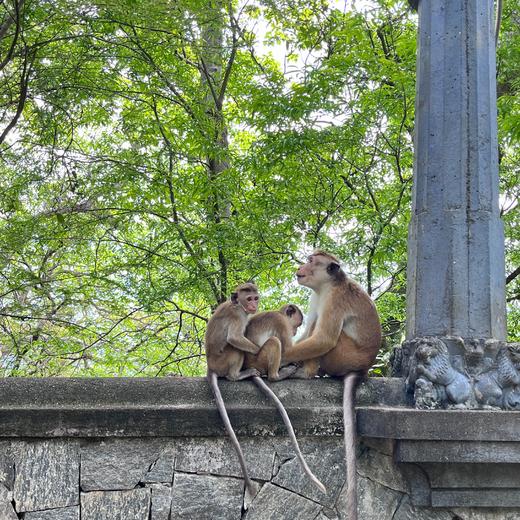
(452, 458)
(128, 407)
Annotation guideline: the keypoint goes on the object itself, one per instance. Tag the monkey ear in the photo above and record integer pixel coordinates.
(234, 297)
(333, 268)
(290, 310)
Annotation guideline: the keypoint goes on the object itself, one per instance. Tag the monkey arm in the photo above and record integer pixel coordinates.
(236, 338)
(323, 339)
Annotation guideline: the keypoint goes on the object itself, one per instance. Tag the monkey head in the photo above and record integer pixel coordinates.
(295, 316)
(246, 295)
(321, 268)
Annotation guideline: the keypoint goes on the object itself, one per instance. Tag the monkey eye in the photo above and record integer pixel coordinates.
(251, 298)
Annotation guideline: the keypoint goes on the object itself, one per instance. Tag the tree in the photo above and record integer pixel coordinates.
(165, 152)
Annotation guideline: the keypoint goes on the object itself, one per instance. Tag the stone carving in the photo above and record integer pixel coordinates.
(451, 372)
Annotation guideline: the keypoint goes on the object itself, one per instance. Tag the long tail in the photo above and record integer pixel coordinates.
(349, 423)
(290, 430)
(213, 383)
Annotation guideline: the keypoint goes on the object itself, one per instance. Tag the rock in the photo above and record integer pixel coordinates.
(117, 464)
(375, 502)
(217, 456)
(161, 501)
(204, 497)
(116, 505)
(407, 511)
(325, 458)
(47, 475)
(7, 511)
(67, 513)
(274, 503)
(161, 471)
(381, 468)
(6, 465)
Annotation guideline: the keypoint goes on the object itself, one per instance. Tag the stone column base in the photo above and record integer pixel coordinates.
(454, 372)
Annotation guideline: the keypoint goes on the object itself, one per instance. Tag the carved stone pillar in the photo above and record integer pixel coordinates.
(456, 317)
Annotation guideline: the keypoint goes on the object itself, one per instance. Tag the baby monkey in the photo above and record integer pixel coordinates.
(273, 330)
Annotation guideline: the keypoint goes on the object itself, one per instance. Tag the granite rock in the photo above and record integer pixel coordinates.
(205, 497)
(116, 505)
(47, 475)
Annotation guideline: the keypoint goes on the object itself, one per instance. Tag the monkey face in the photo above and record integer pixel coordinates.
(250, 302)
(314, 273)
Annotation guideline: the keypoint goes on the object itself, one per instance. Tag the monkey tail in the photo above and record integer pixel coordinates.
(290, 430)
(349, 423)
(213, 383)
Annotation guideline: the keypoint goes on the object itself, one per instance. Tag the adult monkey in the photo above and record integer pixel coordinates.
(226, 346)
(342, 338)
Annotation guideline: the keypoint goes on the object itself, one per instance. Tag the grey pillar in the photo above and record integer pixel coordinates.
(456, 280)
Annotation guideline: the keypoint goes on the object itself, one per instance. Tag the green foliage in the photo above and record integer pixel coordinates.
(167, 151)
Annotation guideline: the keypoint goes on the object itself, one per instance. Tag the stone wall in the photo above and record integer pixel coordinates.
(73, 473)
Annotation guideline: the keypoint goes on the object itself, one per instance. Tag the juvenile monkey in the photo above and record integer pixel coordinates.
(273, 331)
(342, 338)
(226, 345)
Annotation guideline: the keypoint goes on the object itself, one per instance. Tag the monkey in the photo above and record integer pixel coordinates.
(342, 338)
(273, 331)
(225, 346)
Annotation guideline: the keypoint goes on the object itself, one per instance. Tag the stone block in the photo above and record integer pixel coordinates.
(116, 464)
(217, 456)
(66, 513)
(6, 465)
(161, 501)
(7, 511)
(47, 475)
(325, 457)
(381, 468)
(275, 503)
(161, 471)
(375, 502)
(116, 505)
(407, 511)
(485, 514)
(205, 497)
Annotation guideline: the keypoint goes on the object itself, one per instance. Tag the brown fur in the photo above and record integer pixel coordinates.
(345, 333)
(342, 338)
(225, 342)
(273, 331)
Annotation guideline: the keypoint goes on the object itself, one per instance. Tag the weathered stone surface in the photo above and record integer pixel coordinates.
(485, 514)
(217, 456)
(116, 505)
(115, 464)
(446, 425)
(274, 503)
(47, 475)
(6, 508)
(67, 513)
(381, 468)
(407, 511)
(206, 497)
(6, 465)
(161, 501)
(458, 451)
(375, 502)
(166, 407)
(325, 458)
(161, 469)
